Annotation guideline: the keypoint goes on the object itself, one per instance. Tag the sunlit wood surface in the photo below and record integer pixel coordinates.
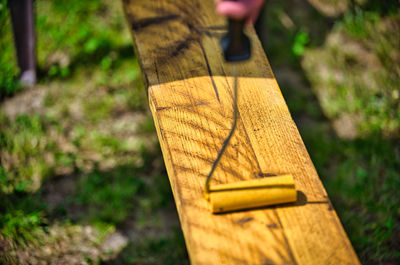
(190, 95)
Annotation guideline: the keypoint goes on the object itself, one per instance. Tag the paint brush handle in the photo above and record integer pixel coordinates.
(235, 44)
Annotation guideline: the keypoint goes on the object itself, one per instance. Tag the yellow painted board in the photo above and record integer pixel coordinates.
(190, 91)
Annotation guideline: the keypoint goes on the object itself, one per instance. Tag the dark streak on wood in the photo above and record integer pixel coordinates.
(181, 46)
(162, 108)
(184, 106)
(156, 70)
(265, 175)
(272, 226)
(145, 22)
(146, 81)
(267, 261)
(288, 248)
(243, 221)
(217, 27)
(209, 71)
(212, 31)
(283, 257)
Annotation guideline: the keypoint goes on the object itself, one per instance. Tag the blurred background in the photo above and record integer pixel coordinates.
(82, 179)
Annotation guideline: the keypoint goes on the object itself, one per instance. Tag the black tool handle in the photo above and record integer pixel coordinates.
(235, 44)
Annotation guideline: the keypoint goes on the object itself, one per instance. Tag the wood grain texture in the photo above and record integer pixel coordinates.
(190, 90)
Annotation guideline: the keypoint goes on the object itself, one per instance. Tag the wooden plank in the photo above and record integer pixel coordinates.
(190, 95)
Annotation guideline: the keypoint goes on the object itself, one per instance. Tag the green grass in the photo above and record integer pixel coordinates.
(85, 163)
(8, 66)
(361, 177)
(361, 174)
(108, 196)
(23, 147)
(23, 218)
(161, 250)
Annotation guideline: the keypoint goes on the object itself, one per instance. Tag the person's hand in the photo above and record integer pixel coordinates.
(240, 9)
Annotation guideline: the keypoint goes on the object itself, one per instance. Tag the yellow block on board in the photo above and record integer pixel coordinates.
(252, 193)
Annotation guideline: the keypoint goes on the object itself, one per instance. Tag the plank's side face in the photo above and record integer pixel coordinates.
(190, 95)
